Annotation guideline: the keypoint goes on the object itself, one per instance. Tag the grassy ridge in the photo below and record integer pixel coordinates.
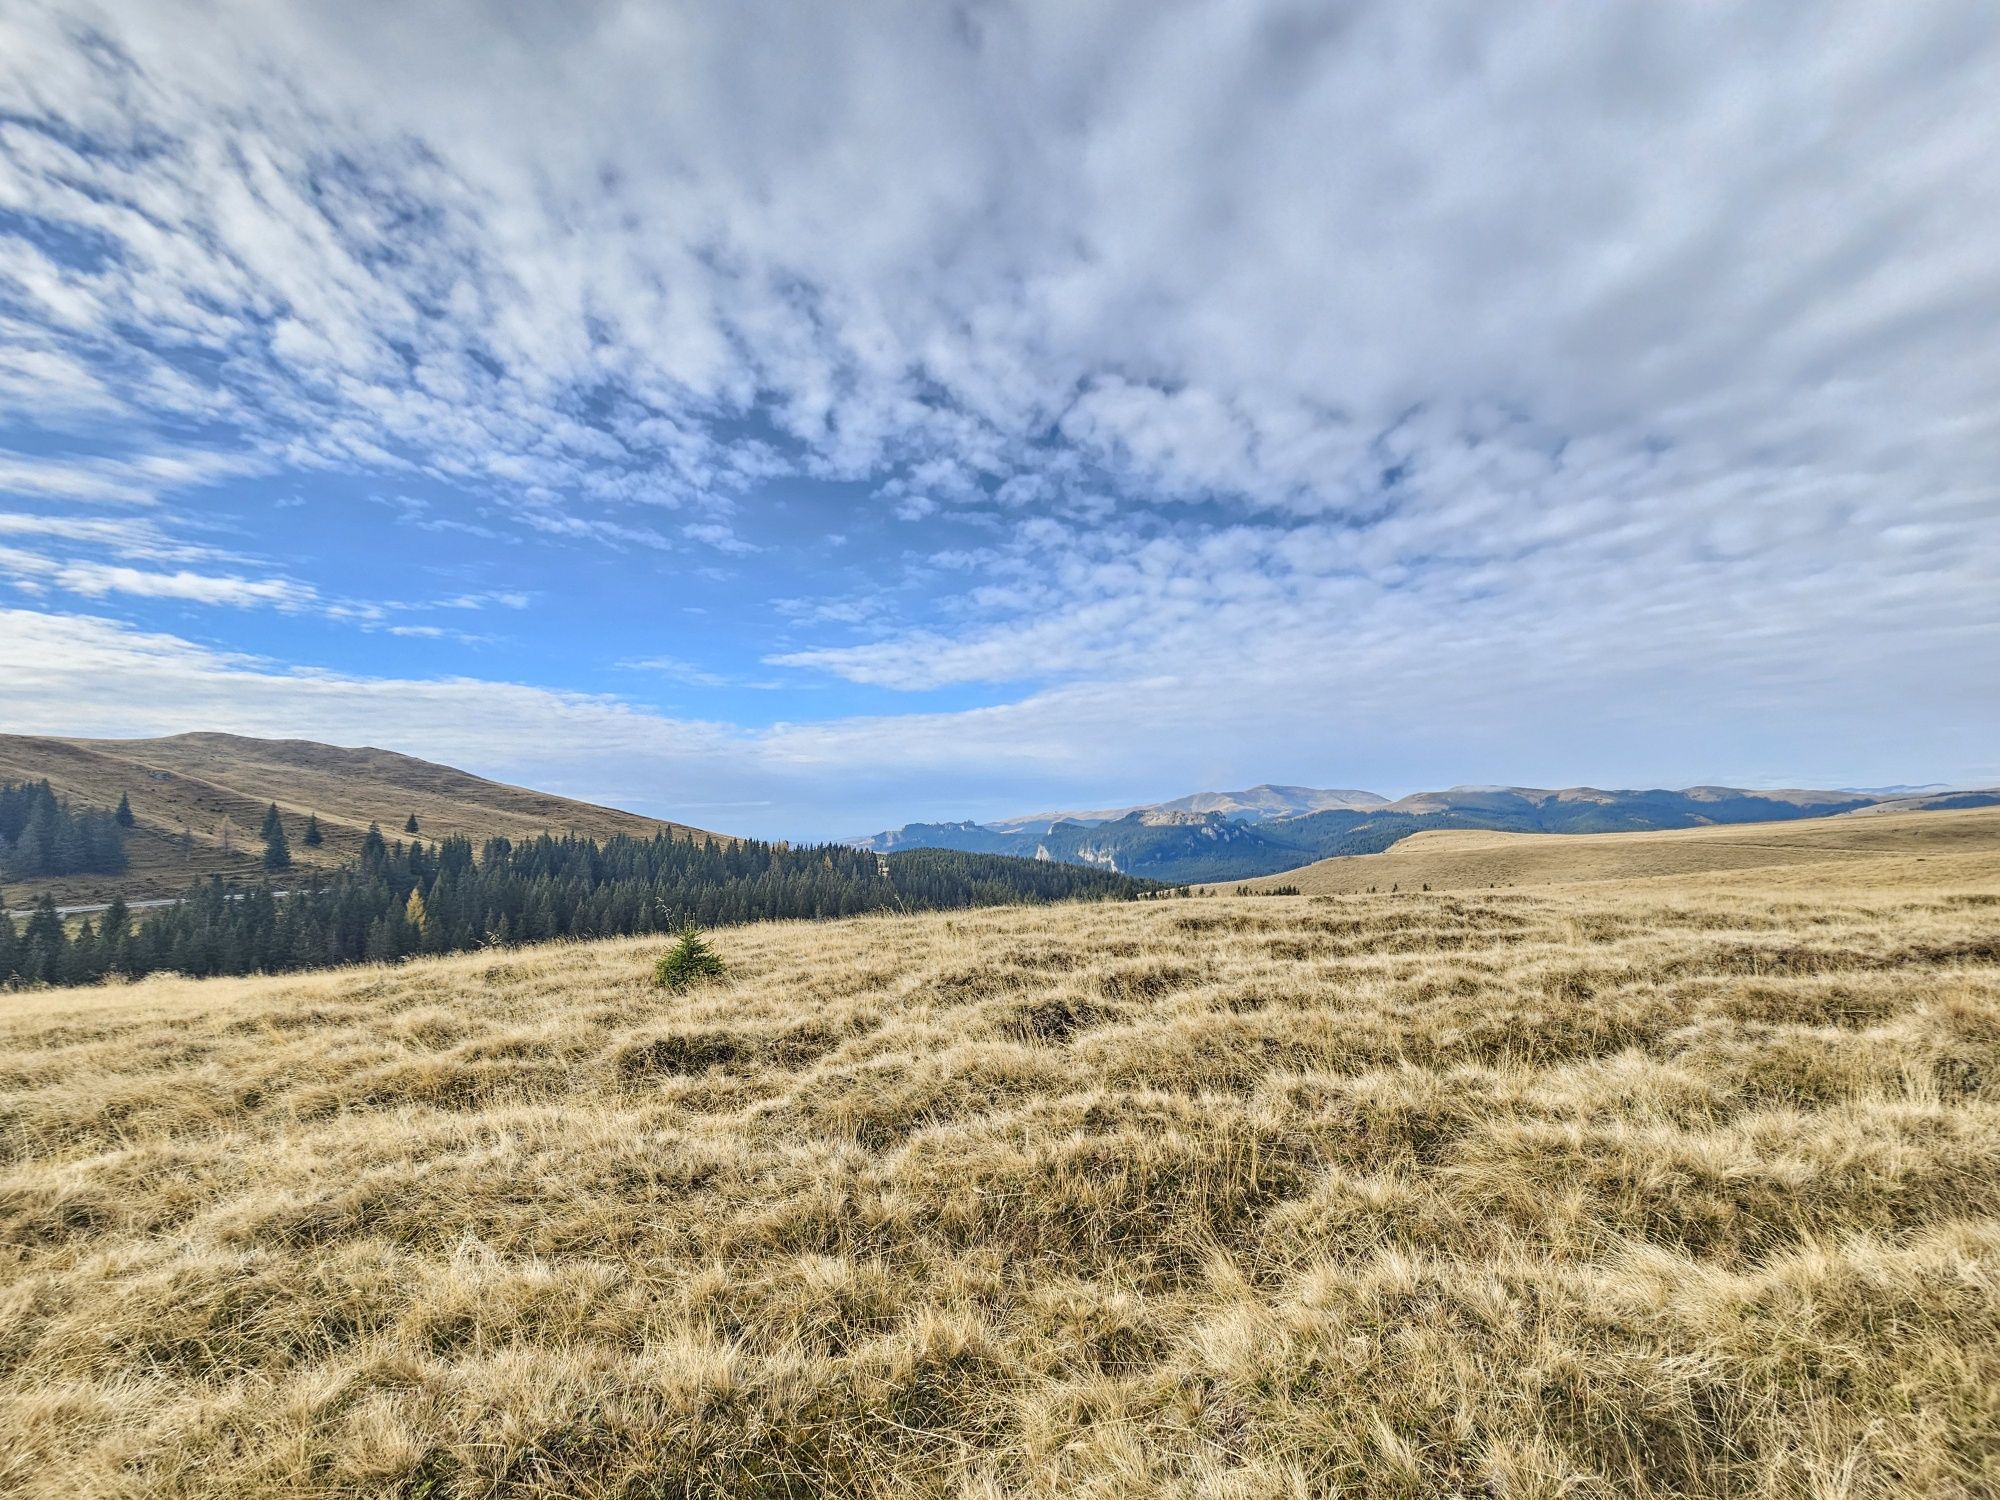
(1663, 1189)
(193, 782)
(1793, 853)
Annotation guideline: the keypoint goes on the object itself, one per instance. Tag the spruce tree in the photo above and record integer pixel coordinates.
(115, 934)
(687, 962)
(44, 944)
(411, 826)
(124, 813)
(72, 848)
(35, 853)
(80, 964)
(314, 838)
(277, 853)
(271, 823)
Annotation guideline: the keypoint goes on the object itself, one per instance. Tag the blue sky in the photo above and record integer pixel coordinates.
(803, 419)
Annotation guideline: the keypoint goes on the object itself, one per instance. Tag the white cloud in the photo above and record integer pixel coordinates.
(717, 535)
(79, 674)
(138, 480)
(497, 598)
(438, 633)
(1353, 722)
(140, 537)
(125, 535)
(691, 674)
(1222, 249)
(673, 669)
(98, 579)
(1436, 363)
(95, 580)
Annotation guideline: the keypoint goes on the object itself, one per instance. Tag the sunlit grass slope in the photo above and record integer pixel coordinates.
(1882, 848)
(1663, 1189)
(193, 782)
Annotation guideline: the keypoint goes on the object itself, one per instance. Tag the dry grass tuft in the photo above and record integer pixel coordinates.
(1655, 1190)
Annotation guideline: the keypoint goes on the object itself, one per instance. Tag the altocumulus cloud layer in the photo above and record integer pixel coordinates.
(1363, 394)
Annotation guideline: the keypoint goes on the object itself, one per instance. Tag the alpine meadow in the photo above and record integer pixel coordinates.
(1006, 750)
(1672, 1185)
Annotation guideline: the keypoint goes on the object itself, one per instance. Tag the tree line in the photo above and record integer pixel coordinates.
(403, 899)
(42, 834)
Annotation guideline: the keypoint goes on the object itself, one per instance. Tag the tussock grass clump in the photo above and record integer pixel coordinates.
(1648, 1189)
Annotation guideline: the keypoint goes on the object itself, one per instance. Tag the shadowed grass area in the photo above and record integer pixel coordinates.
(1655, 1189)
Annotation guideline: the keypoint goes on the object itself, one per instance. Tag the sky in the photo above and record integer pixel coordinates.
(799, 420)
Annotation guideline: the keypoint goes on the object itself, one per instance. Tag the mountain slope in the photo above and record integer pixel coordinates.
(184, 786)
(1263, 802)
(1589, 809)
(1252, 805)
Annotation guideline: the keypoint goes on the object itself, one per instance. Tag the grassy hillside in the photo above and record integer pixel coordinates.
(1811, 850)
(1681, 1187)
(195, 781)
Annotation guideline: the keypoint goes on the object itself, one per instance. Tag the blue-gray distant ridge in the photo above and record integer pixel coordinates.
(1211, 836)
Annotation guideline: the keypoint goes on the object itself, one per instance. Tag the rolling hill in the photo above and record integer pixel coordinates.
(1820, 848)
(1685, 1185)
(184, 786)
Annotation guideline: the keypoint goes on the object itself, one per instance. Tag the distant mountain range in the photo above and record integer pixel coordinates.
(1253, 806)
(1267, 829)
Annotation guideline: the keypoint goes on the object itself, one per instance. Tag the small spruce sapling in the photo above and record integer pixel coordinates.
(688, 961)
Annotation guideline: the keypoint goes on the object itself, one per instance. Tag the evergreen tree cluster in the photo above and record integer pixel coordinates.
(946, 879)
(402, 899)
(43, 952)
(41, 834)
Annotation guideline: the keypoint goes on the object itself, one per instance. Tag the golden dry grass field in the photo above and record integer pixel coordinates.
(1884, 847)
(1673, 1187)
